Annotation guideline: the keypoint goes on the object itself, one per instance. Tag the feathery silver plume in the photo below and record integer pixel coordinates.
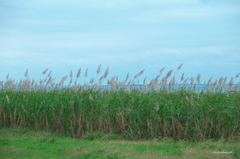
(191, 100)
(187, 98)
(71, 74)
(91, 81)
(192, 81)
(90, 98)
(7, 99)
(231, 83)
(236, 86)
(49, 80)
(100, 80)
(180, 66)
(169, 74)
(79, 72)
(139, 74)
(157, 77)
(26, 73)
(225, 80)
(136, 76)
(198, 78)
(52, 80)
(127, 77)
(45, 79)
(44, 72)
(75, 83)
(99, 69)
(237, 75)
(86, 73)
(144, 81)
(209, 81)
(220, 82)
(70, 82)
(7, 76)
(162, 69)
(33, 81)
(182, 78)
(65, 78)
(106, 73)
(214, 84)
(198, 96)
(49, 73)
(185, 81)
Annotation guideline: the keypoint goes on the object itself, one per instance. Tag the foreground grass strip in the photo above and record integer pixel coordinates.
(25, 143)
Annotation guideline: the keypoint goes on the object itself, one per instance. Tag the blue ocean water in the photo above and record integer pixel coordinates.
(200, 87)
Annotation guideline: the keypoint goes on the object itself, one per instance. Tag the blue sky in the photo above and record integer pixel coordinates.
(127, 36)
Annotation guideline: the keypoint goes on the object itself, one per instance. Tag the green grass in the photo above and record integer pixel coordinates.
(134, 113)
(26, 143)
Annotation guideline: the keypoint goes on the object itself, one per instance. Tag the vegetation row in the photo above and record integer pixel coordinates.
(135, 112)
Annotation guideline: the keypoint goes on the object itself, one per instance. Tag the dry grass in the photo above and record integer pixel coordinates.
(156, 110)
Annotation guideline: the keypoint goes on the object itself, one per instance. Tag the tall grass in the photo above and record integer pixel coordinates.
(152, 110)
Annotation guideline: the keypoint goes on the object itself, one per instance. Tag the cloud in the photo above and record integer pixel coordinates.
(179, 14)
(96, 3)
(132, 34)
(80, 41)
(109, 4)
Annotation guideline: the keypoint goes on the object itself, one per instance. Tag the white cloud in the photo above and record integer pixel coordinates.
(134, 34)
(164, 15)
(100, 3)
(89, 41)
(116, 4)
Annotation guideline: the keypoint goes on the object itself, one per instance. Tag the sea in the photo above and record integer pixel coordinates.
(200, 87)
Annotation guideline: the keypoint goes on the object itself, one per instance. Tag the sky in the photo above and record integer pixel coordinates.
(126, 36)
